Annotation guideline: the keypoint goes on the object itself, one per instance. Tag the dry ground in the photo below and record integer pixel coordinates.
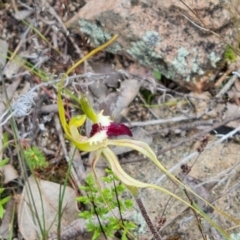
(216, 166)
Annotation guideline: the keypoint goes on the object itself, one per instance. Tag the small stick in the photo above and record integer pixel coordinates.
(222, 78)
(158, 121)
(146, 105)
(147, 219)
(227, 86)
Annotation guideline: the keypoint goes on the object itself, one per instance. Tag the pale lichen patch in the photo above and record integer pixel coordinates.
(98, 35)
(151, 38)
(180, 62)
(195, 66)
(214, 59)
(143, 50)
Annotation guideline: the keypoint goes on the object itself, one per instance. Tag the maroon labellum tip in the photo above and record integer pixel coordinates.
(118, 129)
(113, 130)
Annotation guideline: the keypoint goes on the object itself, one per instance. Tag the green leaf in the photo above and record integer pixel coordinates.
(107, 194)
(5, 138)
(124, 237)
(114, 224)
(114, 204)
(1, 190)
(129, 225)
(230, 55)
(128, 203)
(94, 189)
(91, 227)
(107, 179)
(85, 215)
(4, 200)
(2, 211)
(5, 141)
(100, 200)
(96, 234)
(120, 188)
(4, 162)
(109, 232)
(85, 188)
(83, 199)
(90, 180)
(101, 211)
(157, 75)
(108, 171)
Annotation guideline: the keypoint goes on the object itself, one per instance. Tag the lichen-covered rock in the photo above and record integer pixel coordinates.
(156, 34)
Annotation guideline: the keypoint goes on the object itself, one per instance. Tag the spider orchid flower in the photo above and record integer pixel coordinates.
(99, 142)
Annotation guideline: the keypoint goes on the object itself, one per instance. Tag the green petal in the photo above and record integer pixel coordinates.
(74, 123)
(120, 173)
(87, 109)
(62, 113)
(145, 149)
(96, 158)
(86, 146)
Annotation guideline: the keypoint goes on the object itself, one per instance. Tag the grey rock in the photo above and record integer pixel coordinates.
(156, 34)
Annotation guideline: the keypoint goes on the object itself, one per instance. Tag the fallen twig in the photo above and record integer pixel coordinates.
(158, 121)
(227, 86)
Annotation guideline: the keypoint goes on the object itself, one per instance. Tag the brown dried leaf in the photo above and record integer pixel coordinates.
(45, 206)
(9, 173)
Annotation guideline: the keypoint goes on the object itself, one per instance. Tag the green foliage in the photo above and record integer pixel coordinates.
(101, 205)
(4, 162)
(34, 158)
(147, 95)
(5, 140)
(230, 55)
(3, 200)
(157, 75)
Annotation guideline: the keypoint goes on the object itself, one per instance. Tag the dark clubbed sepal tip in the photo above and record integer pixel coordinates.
(118, 129)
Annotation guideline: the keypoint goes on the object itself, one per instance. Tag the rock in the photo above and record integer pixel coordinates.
(157, 35)
(109, 78)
